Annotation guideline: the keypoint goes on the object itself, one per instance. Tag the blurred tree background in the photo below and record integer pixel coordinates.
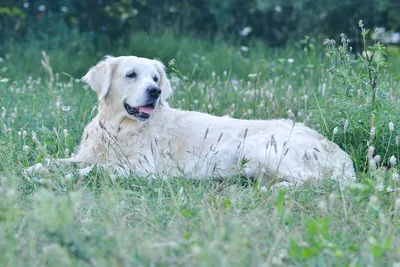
(276, 22)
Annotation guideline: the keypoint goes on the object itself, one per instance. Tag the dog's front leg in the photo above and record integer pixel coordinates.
(43, 168)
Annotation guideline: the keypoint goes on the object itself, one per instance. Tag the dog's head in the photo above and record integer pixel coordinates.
(133, 84)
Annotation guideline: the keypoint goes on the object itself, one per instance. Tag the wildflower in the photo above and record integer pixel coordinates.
(290, 60)
(245, 31)
(24, 134)
(395, 176)
(377, 158)
(397, 203)
(3, 113)
(263, 189)
(393, 161)
(244, 48)
(322, 206)
(373, 131)
(391, 126)
(19, 133)
(371, 151)
(35, 139)
(66, 152)
(213, 74)
(64, 9)
(346, 125)
(66, 108)
(278, 9)
(323, 89)
(42, 8)
(225, 73)
(395, 38)
(332, 199)
(372, 164)
(289, 90)
(25, 148)
(252, 75)
(380, 187)
(360, 23)
(335, 130)
(373, 120)
(65, 132)
(14, 114)
(26, 5)
(5, 130)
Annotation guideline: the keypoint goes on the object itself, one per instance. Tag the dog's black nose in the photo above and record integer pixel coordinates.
(154, 91)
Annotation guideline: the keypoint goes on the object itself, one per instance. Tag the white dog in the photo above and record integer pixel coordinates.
(135, 130)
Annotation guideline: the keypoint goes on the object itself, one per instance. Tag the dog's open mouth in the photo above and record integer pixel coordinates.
(142, 112)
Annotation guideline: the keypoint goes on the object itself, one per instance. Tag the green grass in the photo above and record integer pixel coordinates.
(54, 221)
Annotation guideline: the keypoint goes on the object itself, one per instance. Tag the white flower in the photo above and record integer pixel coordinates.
(395, 38)
(278, 9)
(377, 158)
(252, 75)
(335, 130)
(373, 130)
(65, 132)
(380, 187)
(26, 5)
(263, 189)
(244, 48)
(391, 126)
(371, 151)
(322, 206)
(290, 60)
(393, 160)
(66, 108)
(42, 8)
(346, 125)
(64, 9)
(245, 31)
(34, 138)
(395, 176)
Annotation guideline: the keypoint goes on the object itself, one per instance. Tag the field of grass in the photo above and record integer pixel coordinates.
(53, 221)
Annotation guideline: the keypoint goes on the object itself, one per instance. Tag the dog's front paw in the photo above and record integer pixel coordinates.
(37, 168)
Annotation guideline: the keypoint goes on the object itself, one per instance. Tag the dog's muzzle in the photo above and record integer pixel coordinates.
(141, 112)
(144, 112)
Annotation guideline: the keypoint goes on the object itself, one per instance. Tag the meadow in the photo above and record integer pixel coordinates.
(51, 220)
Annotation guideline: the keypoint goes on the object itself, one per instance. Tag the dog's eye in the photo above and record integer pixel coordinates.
(155, 78)
(131, 75)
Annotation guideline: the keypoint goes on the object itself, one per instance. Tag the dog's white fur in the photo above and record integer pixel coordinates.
(192, 144)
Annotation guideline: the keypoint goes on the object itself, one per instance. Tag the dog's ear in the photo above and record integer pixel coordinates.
(165, 85)
(99, 77)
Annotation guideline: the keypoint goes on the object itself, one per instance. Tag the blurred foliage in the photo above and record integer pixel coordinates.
(276, 21)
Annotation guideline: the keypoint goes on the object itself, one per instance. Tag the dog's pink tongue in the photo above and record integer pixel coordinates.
(147, 110)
